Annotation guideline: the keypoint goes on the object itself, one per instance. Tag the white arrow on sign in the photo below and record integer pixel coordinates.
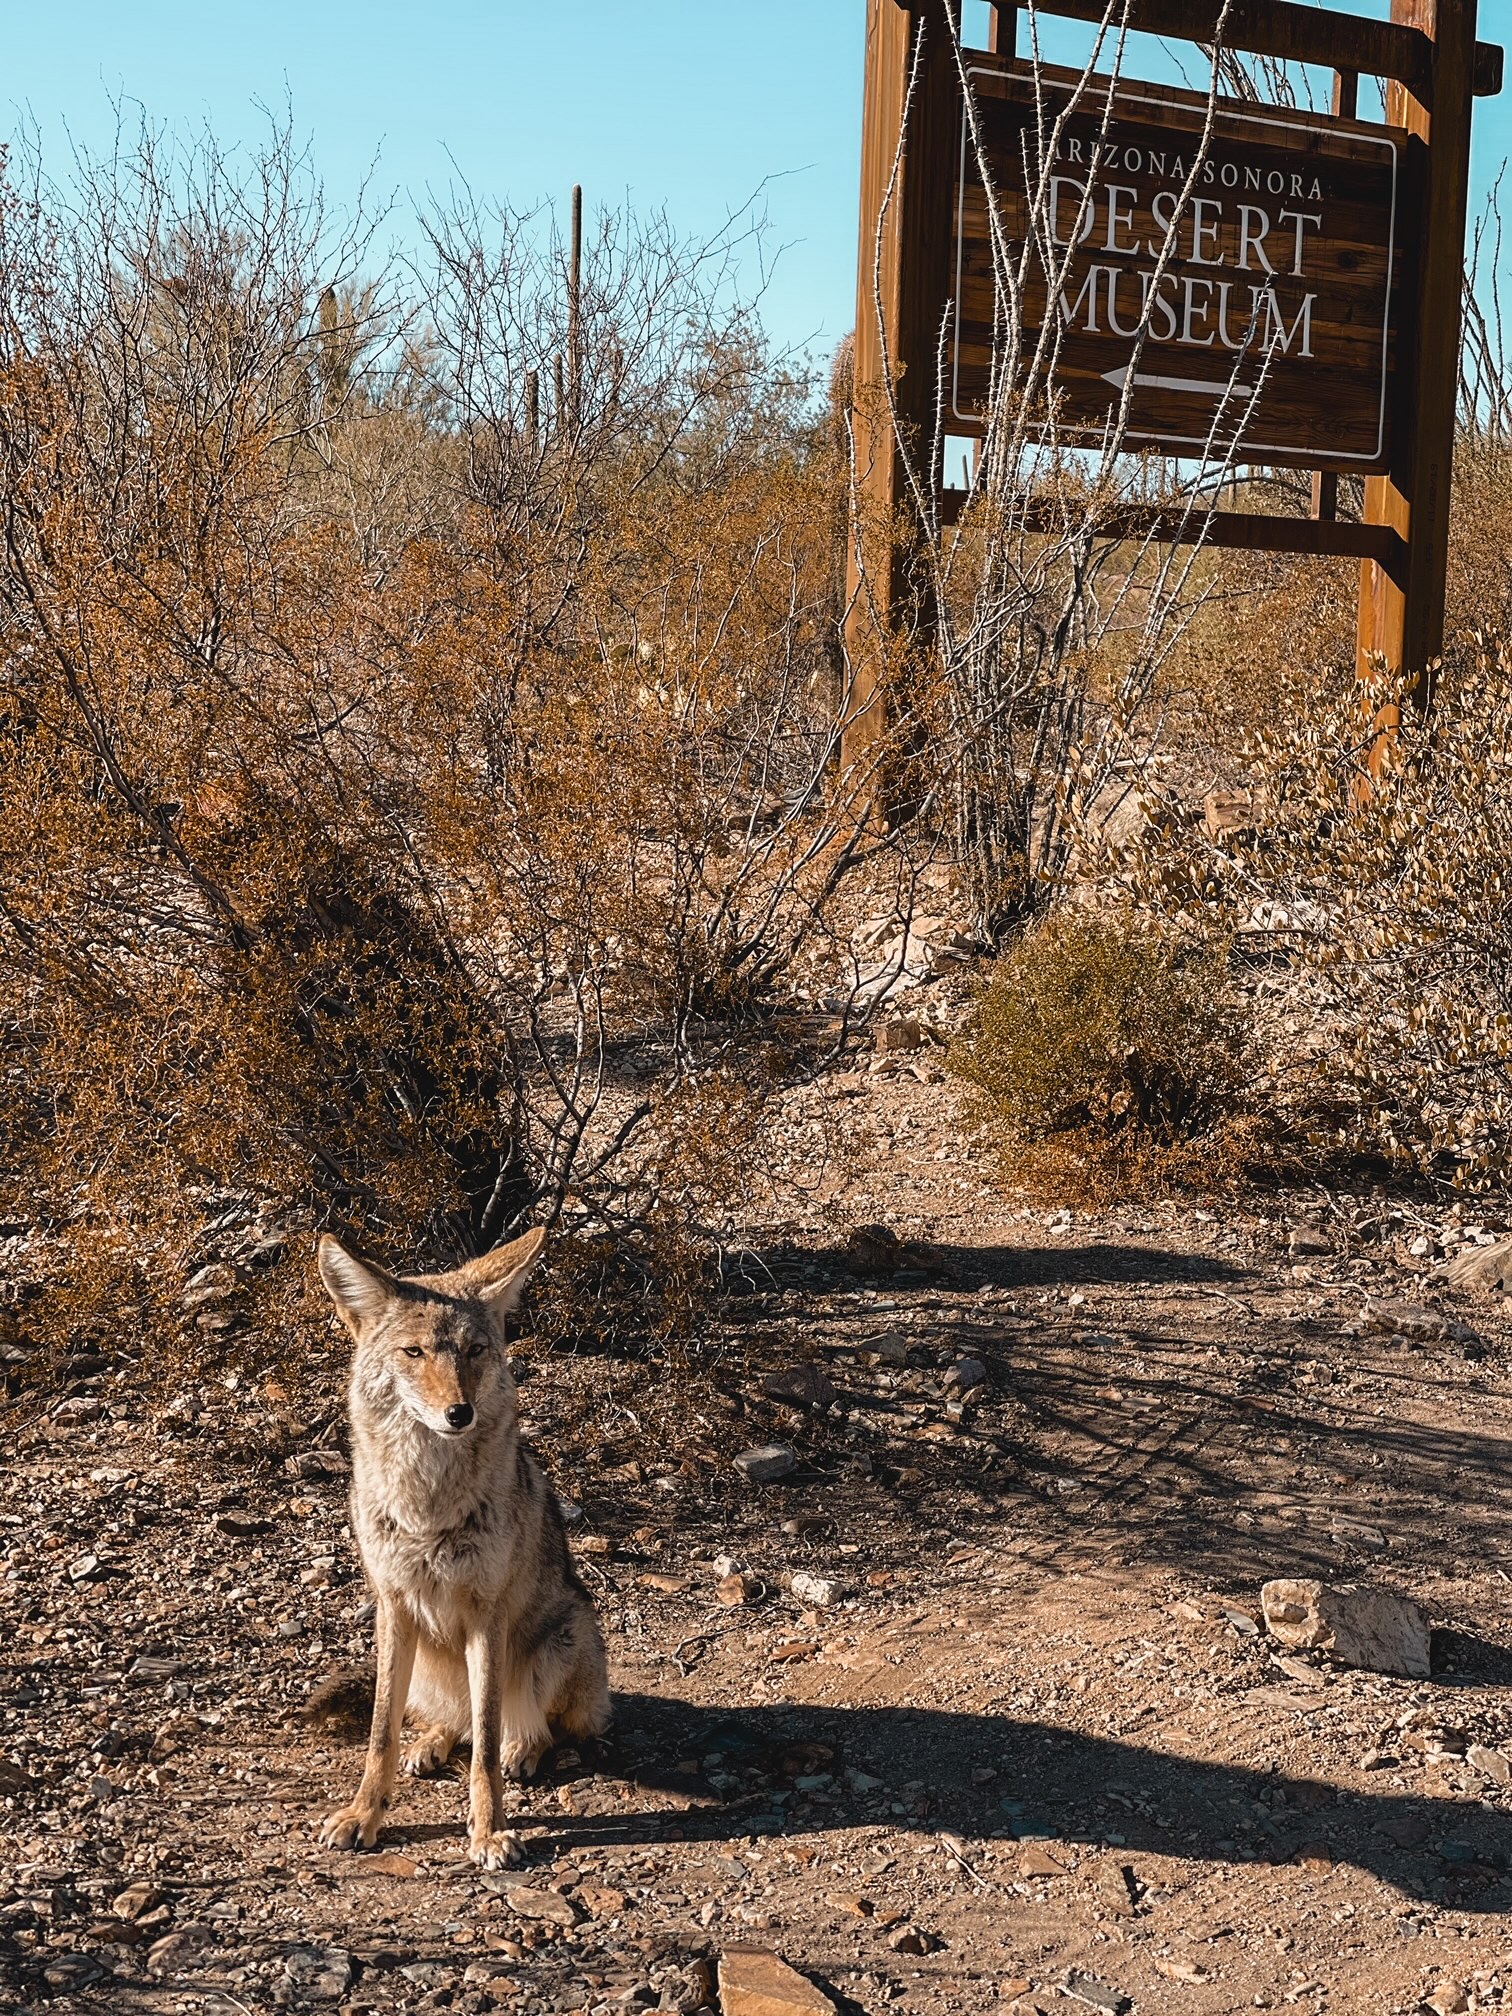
(1208, 388)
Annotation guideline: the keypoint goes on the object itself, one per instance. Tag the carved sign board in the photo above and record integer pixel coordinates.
(1278, 303)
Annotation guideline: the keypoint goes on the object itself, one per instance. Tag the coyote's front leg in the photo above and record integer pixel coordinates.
(490, 1843)
(356, 1826)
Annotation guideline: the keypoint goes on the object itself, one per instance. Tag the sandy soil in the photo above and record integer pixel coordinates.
(1034, 1739)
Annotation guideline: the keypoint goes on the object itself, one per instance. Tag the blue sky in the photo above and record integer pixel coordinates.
(691, 104)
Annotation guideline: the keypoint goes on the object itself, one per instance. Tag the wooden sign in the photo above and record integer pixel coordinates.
(1249, 278)
(1311, 289)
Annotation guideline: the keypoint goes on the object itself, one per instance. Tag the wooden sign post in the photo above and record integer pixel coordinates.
(1280, 287)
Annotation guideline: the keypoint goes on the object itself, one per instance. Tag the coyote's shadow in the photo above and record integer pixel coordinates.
(917, 1770)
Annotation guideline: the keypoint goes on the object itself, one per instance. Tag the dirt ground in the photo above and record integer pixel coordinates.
(1033, 1745)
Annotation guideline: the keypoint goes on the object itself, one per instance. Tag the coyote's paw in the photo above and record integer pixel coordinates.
(429, 1753)
(521, 1757)
(496, 1851)
(349, 1827)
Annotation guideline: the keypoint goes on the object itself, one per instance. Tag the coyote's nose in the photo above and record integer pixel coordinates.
(459, 1416)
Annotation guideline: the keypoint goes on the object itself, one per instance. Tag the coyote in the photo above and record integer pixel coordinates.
(483, 1627)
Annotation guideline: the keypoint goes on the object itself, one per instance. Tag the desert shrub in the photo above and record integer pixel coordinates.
(414, 719)
(1373, 889)
(1110, 1058)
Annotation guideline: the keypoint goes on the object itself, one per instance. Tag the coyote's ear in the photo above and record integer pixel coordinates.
(498, 1278)
(358, 1288)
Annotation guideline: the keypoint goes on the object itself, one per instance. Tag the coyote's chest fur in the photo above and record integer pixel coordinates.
(438, 1529)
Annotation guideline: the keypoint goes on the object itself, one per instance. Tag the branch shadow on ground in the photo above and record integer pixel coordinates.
(1088, 1264)
(1051, 1785)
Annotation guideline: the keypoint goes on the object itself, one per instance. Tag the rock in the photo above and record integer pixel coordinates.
(1304, 1243)
(736, 1589)
(1404, 1319)
(1370, 1628)
(1036, 1861)
(800, 1386)
(1492, 1764)
(241, 1525)
(873, 1249)
(815, 1590)
(966, 1374)
(1087, 1988)
(904, 1032)
(768, 1464)
(323, 1973)
(1482, 1267)
(546, 1906)
(1450, 1998)
(315, 1464)
(908, 1939)
(136, 1900)
(755, 1982)
(891, 1346)
(83, 1407)
(1120, 1889)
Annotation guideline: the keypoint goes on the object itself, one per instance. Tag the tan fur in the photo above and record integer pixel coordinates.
(483, 1628)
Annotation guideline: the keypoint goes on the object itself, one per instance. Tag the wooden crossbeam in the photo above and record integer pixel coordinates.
(1294, 33)
(1249, 531)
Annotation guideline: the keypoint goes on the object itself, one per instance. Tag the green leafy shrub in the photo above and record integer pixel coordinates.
(1108, 1058)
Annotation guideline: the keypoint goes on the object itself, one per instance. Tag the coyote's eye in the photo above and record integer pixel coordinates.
(413, 1351)
(476, 1350)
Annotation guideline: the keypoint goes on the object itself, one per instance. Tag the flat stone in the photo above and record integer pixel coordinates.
(136, 1900)
(1088, 1988)
(1370, 1628)
(755, 1982)
(800, 1386)
(324, 1973)
(1482, 1267)
(547, 1905)
(767, 1464)
(1404, 1319)
(891, 1346)
(966, 1374)
(1492, 1764)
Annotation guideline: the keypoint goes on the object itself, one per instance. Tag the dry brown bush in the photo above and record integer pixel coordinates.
(415, 725)
(1369, 898)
